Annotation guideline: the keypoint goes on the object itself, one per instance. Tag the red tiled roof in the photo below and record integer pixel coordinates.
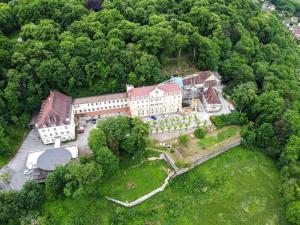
(124, 111)
(198, 78)
(99, 98)
(55, 110)
(211, 96)
(144, 91)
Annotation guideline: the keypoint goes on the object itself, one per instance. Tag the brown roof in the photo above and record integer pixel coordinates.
(144, 91)
(99, 98)
(55, 111)
(197, 78)
(124, 110)
(211, 96)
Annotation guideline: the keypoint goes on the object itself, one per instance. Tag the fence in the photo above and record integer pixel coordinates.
(145, 197)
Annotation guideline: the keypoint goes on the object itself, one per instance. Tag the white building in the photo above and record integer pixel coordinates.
(153, 100)
(56, 119)
(211, 100)
(102, 105)
(59, 112)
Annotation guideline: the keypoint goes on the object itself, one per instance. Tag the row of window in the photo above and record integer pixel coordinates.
(63, 139)
(165, 94)
(54, 128)
(104, 102)
(56, 133)
(99, 108)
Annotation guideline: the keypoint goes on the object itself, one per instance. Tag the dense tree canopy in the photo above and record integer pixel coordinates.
(62, 45)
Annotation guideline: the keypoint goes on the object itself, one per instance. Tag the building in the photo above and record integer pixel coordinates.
(59, 112)
(267, 6)
(101, 106)
(43, 162)
(211, 100)
(296, 32)
(194, 85)
(56, 119)
(151, 100)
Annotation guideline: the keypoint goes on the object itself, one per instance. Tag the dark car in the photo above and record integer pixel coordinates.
(153, 117)
(94, 121)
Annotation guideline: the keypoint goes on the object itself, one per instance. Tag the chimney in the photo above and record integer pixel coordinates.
(129, 87)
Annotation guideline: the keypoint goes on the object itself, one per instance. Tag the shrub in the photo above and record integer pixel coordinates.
(234, 118)
(199, 132)
(184, 139)
(293, 212)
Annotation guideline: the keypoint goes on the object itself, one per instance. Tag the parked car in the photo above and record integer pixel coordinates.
(80, 130)
(94, 121)
(153, 117)
(27, 172)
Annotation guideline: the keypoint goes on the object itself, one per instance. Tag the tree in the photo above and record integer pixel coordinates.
(291, 151)
(180, 42)
(96, 139)
(107, 160)
(82, 178)
(31, 196)
(56, 182)
(5, 147)
(269, 107)
(7, 18)
(199, 132)
(293, 212)
(244, 95)
(116, 129)
(184, 139)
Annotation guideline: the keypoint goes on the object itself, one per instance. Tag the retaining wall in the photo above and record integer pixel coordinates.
(177, 171)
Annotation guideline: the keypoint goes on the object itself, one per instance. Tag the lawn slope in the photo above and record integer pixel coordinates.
(237, 187)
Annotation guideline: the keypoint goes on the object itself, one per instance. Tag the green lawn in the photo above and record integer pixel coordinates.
(131, 184)
(224, 134)
(16, 137)
(239, 187)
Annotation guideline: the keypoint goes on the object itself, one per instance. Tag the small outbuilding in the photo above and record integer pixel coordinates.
(52, 158)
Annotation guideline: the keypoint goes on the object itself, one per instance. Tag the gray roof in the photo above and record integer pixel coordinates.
(53, 157)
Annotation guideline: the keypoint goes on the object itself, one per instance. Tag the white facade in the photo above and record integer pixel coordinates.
(64, 132)
(156, 102)
(99, 105)
(211, 107)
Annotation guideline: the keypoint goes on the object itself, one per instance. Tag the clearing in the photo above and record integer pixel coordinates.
(238, 187)
(135, 182)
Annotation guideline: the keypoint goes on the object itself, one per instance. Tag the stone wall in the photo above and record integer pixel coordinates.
(177, 171)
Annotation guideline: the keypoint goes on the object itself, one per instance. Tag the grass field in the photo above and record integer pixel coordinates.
(238, 187)
(16, 136)
(224, 134)
(136, 182)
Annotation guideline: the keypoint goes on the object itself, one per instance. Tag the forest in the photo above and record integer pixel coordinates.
(67, 46)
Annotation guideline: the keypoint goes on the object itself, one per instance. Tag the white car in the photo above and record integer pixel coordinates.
(27, 172)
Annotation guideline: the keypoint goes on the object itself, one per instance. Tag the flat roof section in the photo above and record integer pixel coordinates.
(51, 158)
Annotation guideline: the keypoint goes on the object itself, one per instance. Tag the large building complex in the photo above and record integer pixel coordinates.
(59, 112)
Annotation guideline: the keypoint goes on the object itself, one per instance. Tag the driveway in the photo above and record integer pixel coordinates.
(32, 143)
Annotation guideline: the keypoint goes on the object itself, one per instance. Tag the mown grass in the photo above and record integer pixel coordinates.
(16, 136)
(238, 187)
(209, 140)
(132, 184)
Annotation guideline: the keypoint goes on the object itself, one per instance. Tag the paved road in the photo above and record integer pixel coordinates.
(16, 166)
(32, 143)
